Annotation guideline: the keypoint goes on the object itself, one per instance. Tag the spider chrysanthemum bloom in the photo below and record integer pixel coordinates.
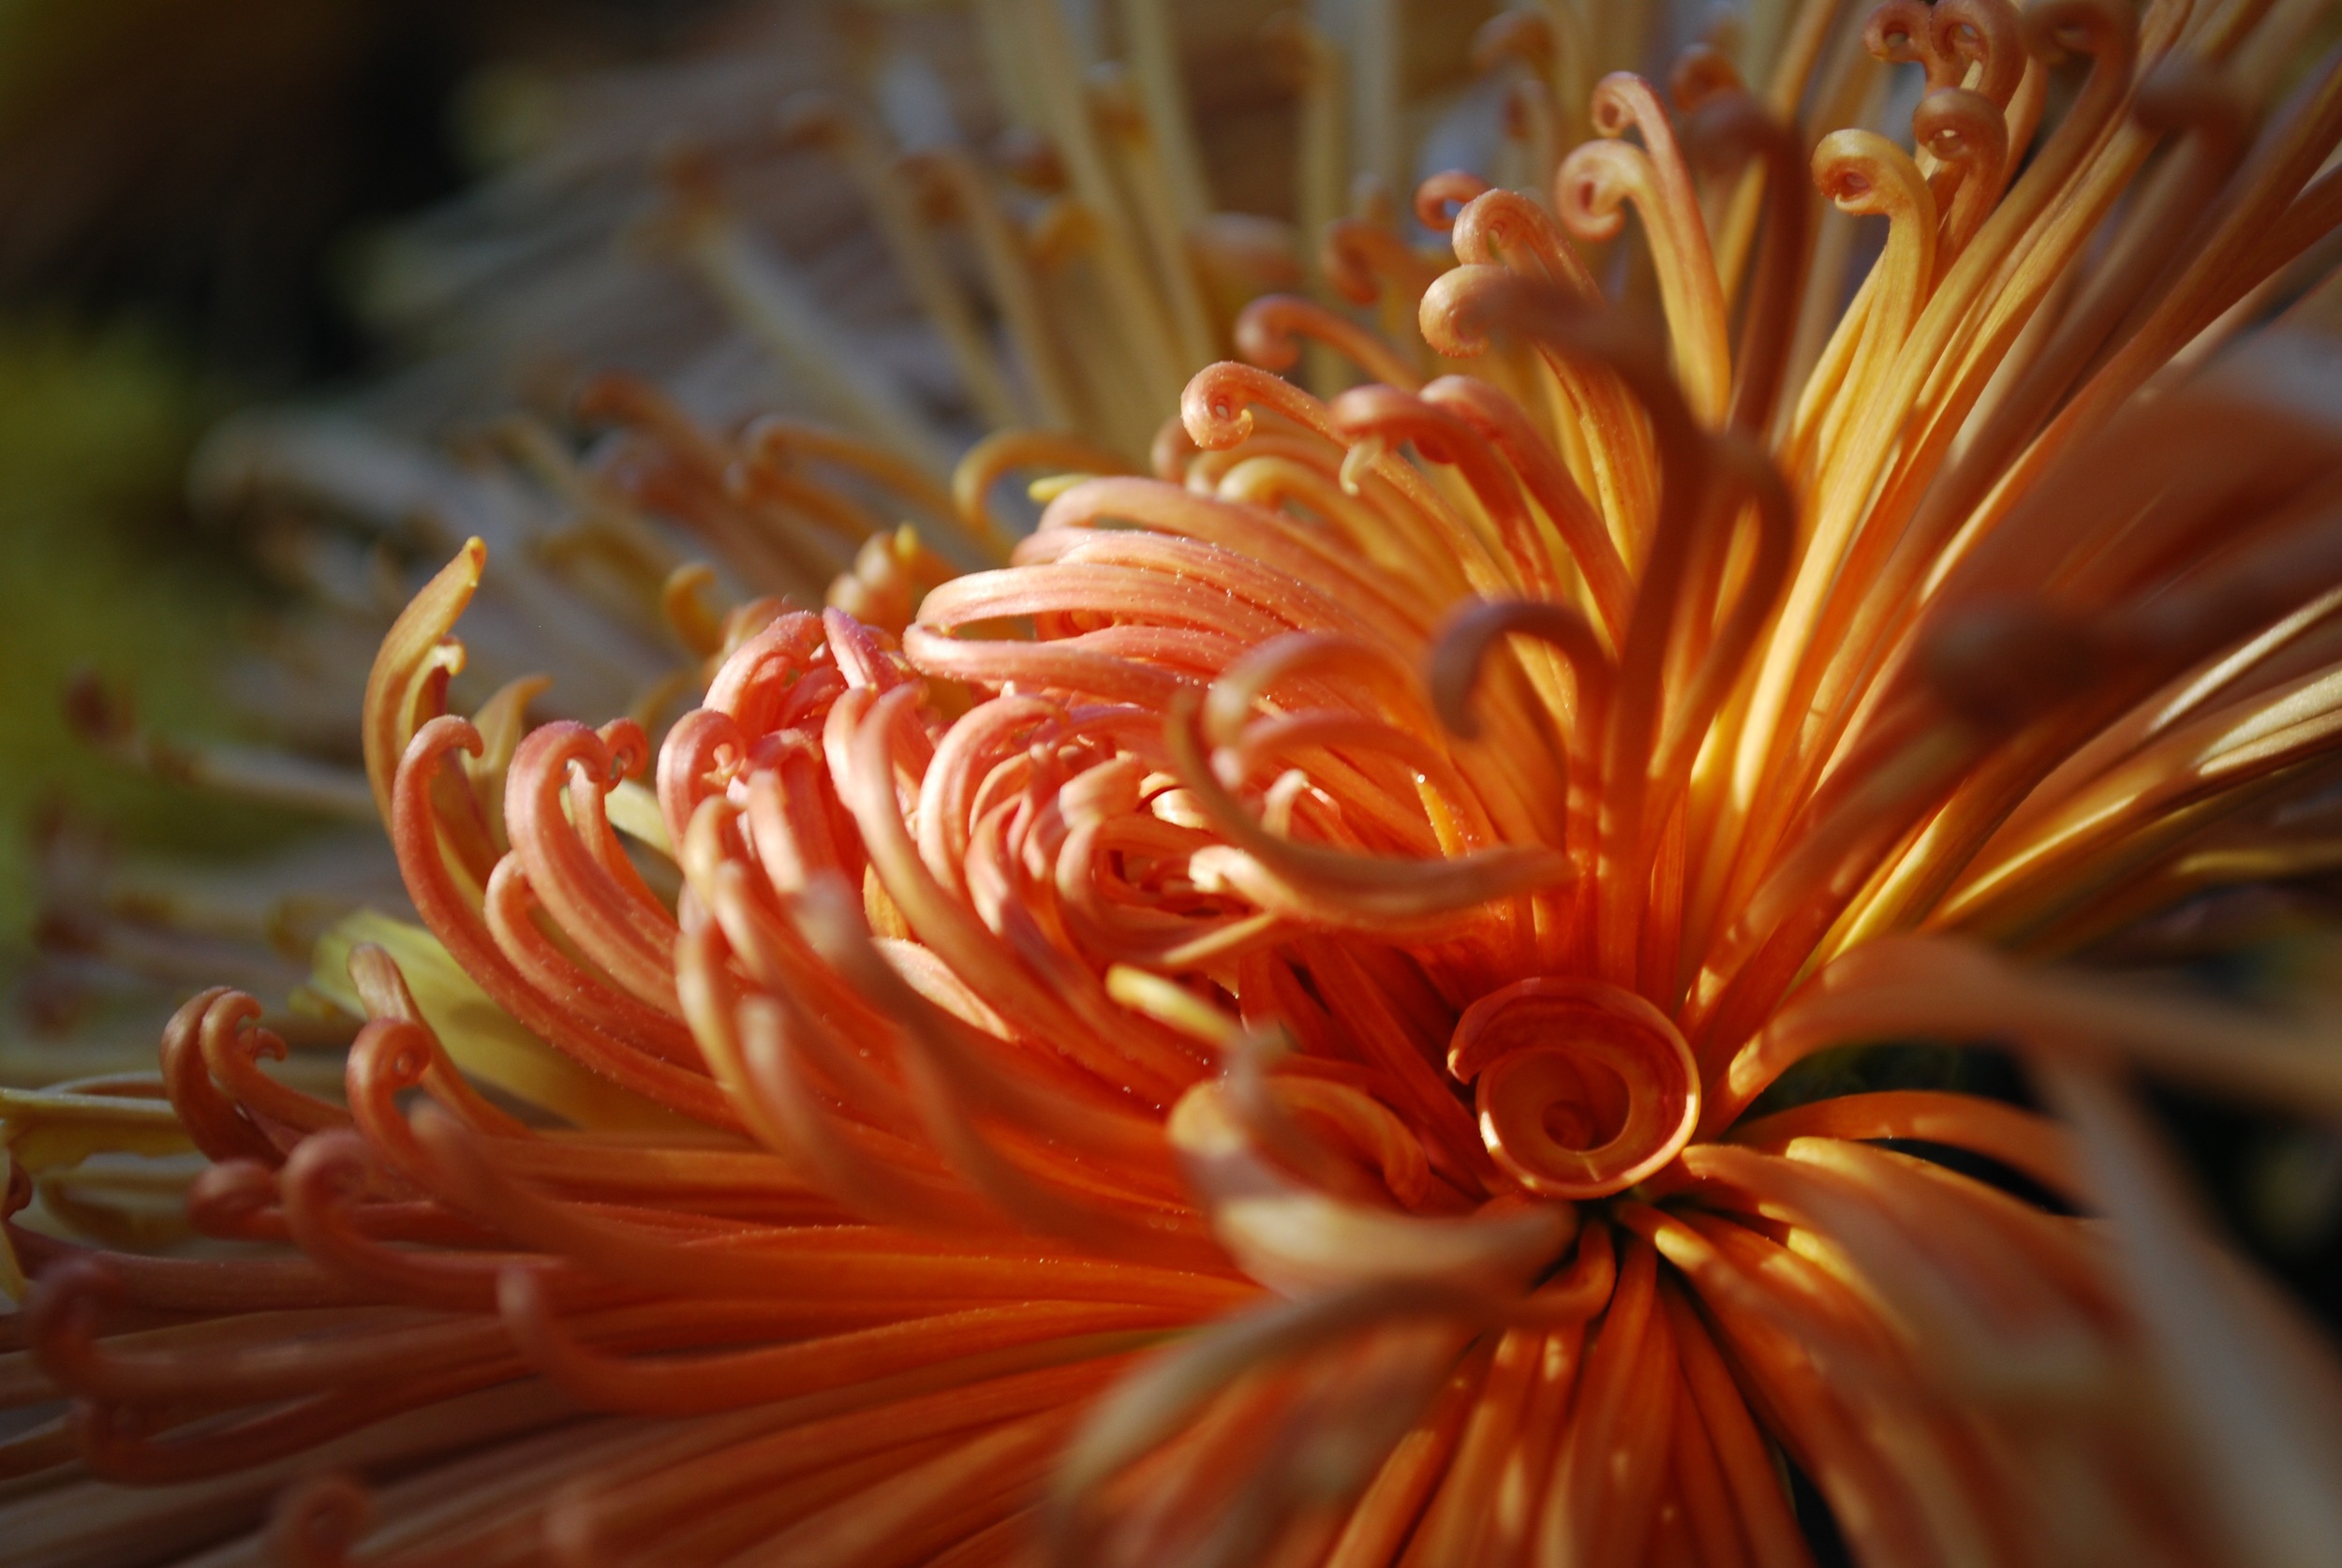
(1224, 1035)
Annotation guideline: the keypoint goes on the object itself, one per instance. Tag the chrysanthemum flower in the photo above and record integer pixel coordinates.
(1228, 1035)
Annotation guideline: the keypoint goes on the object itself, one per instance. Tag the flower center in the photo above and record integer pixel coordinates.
(1582, 1088)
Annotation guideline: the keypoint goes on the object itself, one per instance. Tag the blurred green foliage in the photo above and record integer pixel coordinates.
(98, 570)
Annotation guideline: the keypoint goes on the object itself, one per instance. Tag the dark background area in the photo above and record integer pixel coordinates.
(202, 168)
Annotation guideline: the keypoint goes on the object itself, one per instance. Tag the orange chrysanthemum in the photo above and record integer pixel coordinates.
(1228, 1034)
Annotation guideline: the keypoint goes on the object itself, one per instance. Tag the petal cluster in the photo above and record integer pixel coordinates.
(1250, 1027)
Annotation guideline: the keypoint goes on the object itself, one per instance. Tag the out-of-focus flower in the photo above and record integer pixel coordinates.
(94, 431)
(1225, 1031)
(156, 153)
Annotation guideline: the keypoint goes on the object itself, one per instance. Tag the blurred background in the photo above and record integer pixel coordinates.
(192, 192)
